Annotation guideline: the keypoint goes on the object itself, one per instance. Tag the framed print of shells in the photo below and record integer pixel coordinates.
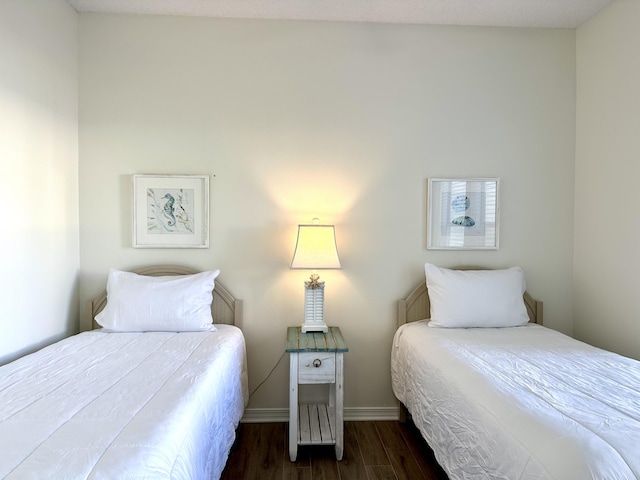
(463, 214)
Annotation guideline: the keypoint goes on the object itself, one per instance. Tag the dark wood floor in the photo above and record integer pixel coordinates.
(373, 451)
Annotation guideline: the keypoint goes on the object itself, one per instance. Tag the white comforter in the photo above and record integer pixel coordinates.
(123, 406)
(519, 403)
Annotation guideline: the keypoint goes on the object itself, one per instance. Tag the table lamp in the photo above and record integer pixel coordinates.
(315, 250)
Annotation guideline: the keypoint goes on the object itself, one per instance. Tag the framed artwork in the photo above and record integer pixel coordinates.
(463, 214)
(170, 211)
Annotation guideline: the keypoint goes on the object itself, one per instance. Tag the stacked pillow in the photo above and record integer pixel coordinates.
(476, 298)
(141, 303)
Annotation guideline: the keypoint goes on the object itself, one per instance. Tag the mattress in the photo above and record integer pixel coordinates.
(124, 405)
(519, 403)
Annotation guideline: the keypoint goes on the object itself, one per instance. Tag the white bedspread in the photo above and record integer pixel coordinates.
(123, 406)
(519, 403)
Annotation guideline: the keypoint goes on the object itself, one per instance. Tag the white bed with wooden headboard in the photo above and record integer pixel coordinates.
(515, 402)
(159, 402)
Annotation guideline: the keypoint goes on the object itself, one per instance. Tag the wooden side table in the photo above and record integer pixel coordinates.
(316, 358)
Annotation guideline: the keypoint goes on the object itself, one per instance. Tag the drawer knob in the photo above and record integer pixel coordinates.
(317, 362)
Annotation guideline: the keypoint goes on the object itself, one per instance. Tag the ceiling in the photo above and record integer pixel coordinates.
(506, 13)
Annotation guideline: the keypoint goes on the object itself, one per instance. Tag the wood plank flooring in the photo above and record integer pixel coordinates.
(372, 451)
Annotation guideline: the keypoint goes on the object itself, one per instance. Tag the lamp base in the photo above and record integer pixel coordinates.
(314, 328)
(314, 307)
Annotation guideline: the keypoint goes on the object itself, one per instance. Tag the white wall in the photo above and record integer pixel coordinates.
(38, 173)
(607, 217)
(342, 121)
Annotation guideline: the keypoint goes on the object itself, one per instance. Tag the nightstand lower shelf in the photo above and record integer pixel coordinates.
(316, 424)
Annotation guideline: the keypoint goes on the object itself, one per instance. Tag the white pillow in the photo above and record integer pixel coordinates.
(140, 303)
(476, 298)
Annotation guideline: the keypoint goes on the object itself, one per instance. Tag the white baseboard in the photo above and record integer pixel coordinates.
(265, 415)
(372, 414)
(271, 415)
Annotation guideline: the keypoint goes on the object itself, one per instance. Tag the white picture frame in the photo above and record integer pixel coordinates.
(170, 211)
(463, 214)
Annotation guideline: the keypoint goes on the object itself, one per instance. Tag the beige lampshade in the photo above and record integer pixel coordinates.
(316, 248)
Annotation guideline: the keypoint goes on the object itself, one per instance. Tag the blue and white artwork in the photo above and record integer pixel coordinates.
(463, 214)
(459, 205)
(464, 210)
(170, 211)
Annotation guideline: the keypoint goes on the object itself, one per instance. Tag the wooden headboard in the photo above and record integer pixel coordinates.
(417, 307)
(224, 308)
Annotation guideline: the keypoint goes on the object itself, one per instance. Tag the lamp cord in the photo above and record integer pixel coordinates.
(268, 375)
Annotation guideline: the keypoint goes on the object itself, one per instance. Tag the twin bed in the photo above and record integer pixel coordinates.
(517, 402)
(136, 399)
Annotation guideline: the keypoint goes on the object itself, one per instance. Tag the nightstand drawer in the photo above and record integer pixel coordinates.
(317, 367)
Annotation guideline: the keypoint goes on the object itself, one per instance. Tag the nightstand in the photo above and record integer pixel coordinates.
(316, 358)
